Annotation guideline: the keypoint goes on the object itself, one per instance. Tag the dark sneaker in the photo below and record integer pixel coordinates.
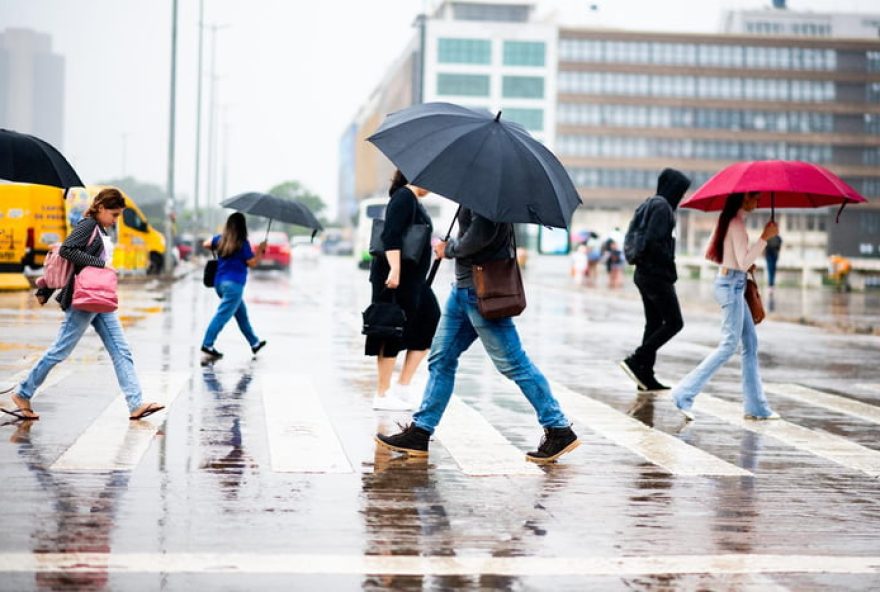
(639, 374)
(412, 440)
(654, 385)
(258, 347)
(211, 352)
(555, 443)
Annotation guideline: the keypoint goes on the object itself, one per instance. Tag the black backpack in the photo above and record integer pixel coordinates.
(634, 242)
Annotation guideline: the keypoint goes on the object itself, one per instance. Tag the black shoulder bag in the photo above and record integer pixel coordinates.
(415, 237)
(210, 270)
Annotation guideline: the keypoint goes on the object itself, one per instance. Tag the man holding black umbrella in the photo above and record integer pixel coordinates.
(480, 240)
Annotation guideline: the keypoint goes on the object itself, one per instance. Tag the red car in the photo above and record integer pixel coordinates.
(277, 254)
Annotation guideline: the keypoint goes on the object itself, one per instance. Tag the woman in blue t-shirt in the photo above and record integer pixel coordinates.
(234, 256)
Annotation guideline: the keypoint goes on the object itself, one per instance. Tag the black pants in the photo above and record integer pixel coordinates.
(662, 318)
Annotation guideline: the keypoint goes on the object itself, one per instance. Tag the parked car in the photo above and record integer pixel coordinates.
(302, 248)
(277, 254)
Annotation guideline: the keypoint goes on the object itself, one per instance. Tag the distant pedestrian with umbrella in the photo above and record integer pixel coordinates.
(234, 257)
(650, 246)
(771, 257)
(499, 175)
(730, 247)
(396, 278)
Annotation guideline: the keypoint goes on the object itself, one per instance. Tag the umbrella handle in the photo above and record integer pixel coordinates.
(773, 206)
(265, 240)
(436, 264)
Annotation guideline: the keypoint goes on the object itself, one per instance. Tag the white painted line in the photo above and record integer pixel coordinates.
(477, 447)
(301, 437)
(835, 403)
(653, 445)
(461, 565)
(869, 387)
(828, 446)
(113, 442)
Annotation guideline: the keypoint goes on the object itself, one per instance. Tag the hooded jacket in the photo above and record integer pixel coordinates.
(659, 258)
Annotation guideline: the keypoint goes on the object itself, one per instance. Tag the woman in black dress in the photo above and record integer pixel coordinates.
(393, 276)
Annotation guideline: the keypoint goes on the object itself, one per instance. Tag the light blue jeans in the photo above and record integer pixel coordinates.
(73, 327)
(736, 326)
(231, 305)
(460, 326)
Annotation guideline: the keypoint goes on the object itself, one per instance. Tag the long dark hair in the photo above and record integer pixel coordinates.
(734, 202)
(233, 236)
(397, 181)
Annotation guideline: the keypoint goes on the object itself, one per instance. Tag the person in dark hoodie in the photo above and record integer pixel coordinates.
(655, 277)
(480, 240)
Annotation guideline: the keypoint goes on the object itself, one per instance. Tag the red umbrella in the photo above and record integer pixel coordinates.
(780, 183)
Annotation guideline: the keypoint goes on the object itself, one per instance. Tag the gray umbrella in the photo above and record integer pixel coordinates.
(275, 208)
(485, 163)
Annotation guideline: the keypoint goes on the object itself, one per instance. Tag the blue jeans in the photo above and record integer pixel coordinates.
(73, 327)
(231, 304)
(460, 325)
(736, 326)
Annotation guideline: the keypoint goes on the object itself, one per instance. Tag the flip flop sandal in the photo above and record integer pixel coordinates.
(146, 412)
(19, 413)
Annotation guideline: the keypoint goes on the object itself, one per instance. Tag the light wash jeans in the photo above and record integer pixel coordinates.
(736, 326)
(73, 327)
(460, 325)
(231, 304)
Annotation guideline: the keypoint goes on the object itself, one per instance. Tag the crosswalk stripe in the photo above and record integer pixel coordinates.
(870, 387)
(836, 403)
(657, 447)
(417, 565)
(114, 443)
(301, 437)
(828, 446)
(476, 446)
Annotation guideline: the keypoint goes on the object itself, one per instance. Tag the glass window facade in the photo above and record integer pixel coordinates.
(523, 87)
(508, 13)
(707, 87)
(692, 54)
(625, 178)
(465, 85)
(464, 51)
(524, 53)
(531, 119)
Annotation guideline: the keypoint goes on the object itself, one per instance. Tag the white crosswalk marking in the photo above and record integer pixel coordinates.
(113, 442)
(828, 446)
(869, 387)
(417, 565)
(477, 447)
(828, 401)
(657, 447)
(301, 437)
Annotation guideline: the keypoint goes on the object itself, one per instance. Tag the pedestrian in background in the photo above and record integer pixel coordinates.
(234, 257)
(729, 247)
(480, 240)
(771, 256)
(393, 277)
(88, 245)
(614, 263)
(653, 230)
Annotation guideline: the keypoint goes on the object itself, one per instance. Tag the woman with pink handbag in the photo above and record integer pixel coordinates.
(88, 298)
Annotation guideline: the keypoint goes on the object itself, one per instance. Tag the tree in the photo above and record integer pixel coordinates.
(296, 190)
(149, 197)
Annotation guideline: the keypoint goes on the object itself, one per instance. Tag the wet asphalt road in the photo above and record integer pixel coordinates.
(209, 502)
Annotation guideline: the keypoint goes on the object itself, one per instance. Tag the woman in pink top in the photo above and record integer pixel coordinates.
(730, 247)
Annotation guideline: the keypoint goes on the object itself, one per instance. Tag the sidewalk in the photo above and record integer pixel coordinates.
(853, 312)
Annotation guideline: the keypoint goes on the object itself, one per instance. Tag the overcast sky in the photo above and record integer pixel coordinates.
(292, 75)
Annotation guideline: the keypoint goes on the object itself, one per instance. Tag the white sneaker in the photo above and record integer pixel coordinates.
(391, 401)
(411, 393)
(772, 417)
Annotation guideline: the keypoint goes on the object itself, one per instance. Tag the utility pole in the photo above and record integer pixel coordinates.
(212, 120)
(169, 204)
(196, 212)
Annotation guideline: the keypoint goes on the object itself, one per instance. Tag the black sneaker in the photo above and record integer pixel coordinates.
(211, 352)
(412, 440)
(640, 375)
(258, 347)
(654, 385)
(555, 443)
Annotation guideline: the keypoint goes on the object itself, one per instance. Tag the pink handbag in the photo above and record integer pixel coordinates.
(94, 290)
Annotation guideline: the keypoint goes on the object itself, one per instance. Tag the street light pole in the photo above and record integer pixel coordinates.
(196, 213)
(169, 204)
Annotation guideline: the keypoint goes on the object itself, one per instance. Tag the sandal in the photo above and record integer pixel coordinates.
(145, 410)
(23, 408)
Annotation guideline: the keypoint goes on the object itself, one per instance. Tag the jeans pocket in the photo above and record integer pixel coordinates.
(723, 293)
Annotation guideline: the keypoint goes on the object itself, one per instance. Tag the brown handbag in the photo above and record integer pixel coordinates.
(753, 299)
(499, 287)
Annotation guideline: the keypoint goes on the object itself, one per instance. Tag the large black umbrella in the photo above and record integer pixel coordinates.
(28, 159)
(483, 162)
(274, 208)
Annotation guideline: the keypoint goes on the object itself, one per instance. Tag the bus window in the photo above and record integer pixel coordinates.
(375, 211)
